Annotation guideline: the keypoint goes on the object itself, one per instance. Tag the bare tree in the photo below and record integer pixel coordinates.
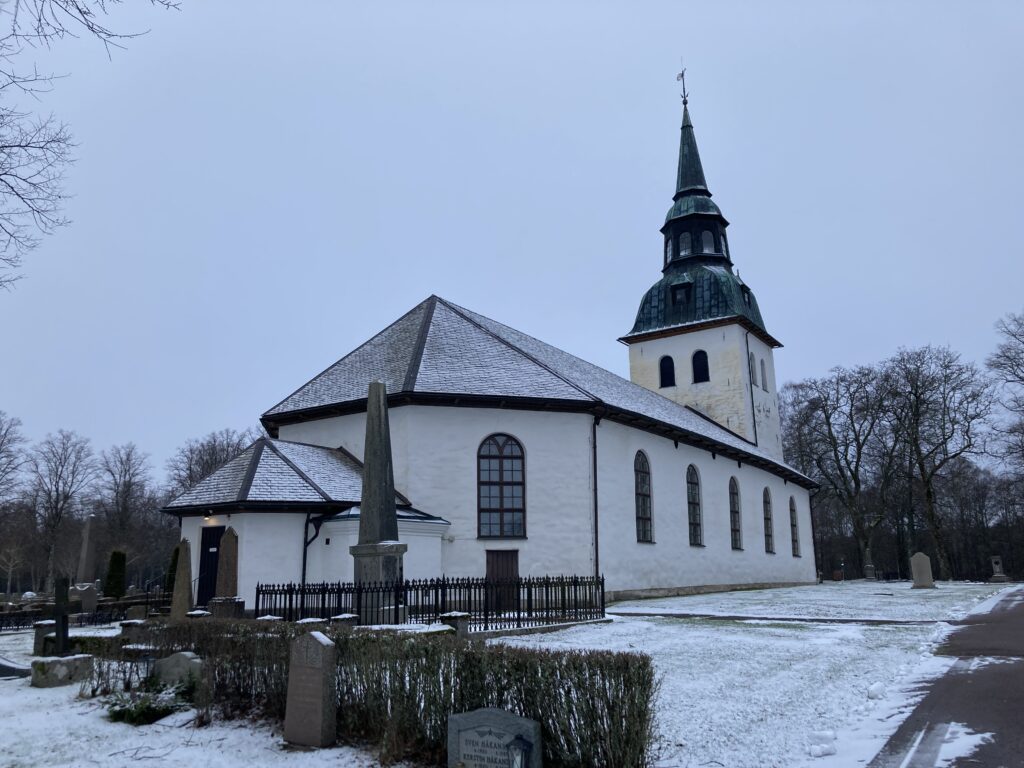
(12, 458)
(123, 487)
(941, 406)
(61, 467)
(197, 459)
(35, 150)
(1007, 363)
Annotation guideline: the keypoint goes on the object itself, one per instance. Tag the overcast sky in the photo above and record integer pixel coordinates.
(260, 187)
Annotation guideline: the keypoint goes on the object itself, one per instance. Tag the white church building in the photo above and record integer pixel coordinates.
(512, 457)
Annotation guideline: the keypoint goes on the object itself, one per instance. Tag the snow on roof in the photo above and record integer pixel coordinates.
(284, 472)
(441, 348)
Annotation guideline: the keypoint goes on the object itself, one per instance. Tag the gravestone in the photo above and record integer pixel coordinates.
(136, 613)
(311, 710)
(227, 565)
(52, 672)
(87, 594)
(998, 576)
(226, 607)
(921, 567)
(181, 600)
(60, 616)
(486, 738)
(178, 668)
(87, 554)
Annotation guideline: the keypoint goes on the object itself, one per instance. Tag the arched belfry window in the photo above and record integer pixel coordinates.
(794, 529)
(685, 244)
(666, 372)
(668, 250)
(769, 533)
(642, 479)
(501, 479)
(735, 520)
(700, 367)
(764, 377)
(693, 506)
(707, 242)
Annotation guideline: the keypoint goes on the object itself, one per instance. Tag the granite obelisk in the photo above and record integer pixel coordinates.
(87, 554)
(378, 555)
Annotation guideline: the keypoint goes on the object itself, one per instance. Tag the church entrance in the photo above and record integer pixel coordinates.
(209, 550)
(502, 571)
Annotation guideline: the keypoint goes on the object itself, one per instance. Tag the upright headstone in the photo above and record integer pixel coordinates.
(87, 594)
(311, 709)
(60, 616)
(87, 554)
(921, 568)
(998, 576)
(489, 737)
(378, 555)
(227, 565)
(181, 600)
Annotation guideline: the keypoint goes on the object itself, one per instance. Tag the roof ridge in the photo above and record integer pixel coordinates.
(409, 385)
(343, 359)
(461, 313)
(250, 471)
(300, 473)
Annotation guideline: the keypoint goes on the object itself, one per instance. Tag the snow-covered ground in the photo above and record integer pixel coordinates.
(747, 692)
(895, 601)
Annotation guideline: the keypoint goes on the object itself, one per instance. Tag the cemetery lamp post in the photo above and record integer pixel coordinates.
(519, 752)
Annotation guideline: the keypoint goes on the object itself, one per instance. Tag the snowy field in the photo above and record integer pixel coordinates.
(737, 693)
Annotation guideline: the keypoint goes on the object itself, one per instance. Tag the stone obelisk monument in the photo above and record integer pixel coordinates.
(378, 555)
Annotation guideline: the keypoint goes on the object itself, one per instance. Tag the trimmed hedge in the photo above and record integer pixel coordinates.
(396, 690)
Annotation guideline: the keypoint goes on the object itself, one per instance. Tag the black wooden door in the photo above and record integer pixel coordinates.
(502, 572)
(209, 549)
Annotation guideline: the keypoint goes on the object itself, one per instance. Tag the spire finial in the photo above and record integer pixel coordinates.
(681, 77)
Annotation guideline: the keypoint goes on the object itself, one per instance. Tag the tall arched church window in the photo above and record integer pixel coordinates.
(666, 372)
(764, 377)
(794, 529)
(693, 506)
(753, 370)
(769, 532)
(735, 520)
(707, 242)
(700, 367)
(642, 480)
(501, 484)
(685, 244)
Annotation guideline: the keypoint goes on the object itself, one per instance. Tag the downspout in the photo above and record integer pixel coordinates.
(750, 372)
(305, 547)
(593, 453)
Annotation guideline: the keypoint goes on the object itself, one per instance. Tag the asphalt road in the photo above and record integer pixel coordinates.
(983, 691)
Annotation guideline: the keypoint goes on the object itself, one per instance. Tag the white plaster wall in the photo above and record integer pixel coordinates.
(333, 562)
(766, 403)
(671, 562)
(434, 450)
(269, 547)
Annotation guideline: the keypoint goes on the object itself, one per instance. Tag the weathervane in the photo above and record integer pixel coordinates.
(681, 77)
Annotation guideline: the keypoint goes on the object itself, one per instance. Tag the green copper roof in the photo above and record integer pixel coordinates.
(692, 204)
(694, 293)
(690, 177)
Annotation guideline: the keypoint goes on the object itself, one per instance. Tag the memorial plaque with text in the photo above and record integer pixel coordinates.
(493, 738)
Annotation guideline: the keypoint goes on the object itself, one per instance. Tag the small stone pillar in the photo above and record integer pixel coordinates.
(457, 620)
(921, 567)
(998, 576)
(227, 565)
(181, 599)
(310, 716)
(42, 628)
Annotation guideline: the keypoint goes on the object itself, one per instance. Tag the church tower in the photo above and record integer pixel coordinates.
(699, 338)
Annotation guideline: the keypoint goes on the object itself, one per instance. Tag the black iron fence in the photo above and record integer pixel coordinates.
(491, 603)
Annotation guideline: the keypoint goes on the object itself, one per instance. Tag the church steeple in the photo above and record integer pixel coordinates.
(690, 177)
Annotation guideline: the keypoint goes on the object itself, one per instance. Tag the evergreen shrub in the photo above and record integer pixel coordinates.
(113, 586)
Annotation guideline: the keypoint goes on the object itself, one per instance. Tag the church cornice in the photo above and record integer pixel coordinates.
(701, 325)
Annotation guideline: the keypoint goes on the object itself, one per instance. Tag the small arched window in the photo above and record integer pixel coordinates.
(685, 244)
(769, 533)
(667, 372)
(668, 250)
(700, 367)
(707, 242)
(764, 377)
(501, 484)
(693, 506)
(753, 370)
(642, 479)
(734, 514)
(794, 529)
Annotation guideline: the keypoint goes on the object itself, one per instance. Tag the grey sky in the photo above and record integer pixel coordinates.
(259, 190)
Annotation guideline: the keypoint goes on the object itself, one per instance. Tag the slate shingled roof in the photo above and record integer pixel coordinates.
(439, 348)
(281, 472)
